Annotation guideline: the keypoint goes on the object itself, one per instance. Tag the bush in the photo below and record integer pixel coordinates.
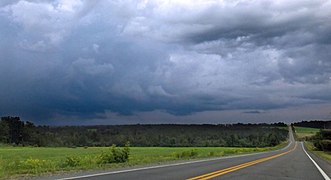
(106, 157)
(71, 162)
(326, 134)
(212, 153)
(33, 165)
(115, 155)
(322, 140)
(325, 144)
(317, 144)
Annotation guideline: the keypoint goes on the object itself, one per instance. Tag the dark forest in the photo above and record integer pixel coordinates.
(16, 132)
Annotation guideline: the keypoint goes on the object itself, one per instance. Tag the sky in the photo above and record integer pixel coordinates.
(82, 62)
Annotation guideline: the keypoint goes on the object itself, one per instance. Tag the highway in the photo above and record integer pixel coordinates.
(291, 162)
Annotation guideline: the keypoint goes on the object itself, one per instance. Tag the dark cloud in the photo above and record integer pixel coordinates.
(253, 112)
(83, 60)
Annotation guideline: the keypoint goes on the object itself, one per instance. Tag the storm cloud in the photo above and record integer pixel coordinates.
(117, 61)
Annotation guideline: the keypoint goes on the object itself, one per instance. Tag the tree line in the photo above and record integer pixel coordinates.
(314, 124)
(16, 132)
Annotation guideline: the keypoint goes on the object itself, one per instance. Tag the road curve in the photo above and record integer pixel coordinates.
(291, 162)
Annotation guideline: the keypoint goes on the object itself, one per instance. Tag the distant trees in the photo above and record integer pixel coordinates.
(30, 134)
(14, 131)
(4, 132)
(314, 124)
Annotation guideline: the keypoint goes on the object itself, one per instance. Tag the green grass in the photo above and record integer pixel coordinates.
(322, 154)
(304, 132)
(28, 161)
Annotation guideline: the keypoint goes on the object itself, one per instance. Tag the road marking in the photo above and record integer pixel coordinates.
(168, 165)
(175, 164)
(326, 177)
(237, 167)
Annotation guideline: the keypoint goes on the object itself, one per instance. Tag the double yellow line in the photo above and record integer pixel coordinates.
(237, 167)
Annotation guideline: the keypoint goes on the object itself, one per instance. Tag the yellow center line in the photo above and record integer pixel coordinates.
(237, 167)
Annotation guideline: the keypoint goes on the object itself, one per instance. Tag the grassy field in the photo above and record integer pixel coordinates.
(303, 132)
(28, 161)
(306, 130)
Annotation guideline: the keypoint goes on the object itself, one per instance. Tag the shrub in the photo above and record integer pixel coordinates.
(317, 145)
(71, 162)
(322, 140)
(212, 153)
(33, 165)
(326, 134)
(127, 150)
(325, 144)
(118, 154)
(115, 155)
(106, 157)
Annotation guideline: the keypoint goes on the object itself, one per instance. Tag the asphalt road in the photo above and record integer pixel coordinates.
(289, 163)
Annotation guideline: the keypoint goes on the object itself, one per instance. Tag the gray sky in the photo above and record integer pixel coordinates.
(116, 62)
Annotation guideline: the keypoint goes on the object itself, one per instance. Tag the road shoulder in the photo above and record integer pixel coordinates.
(325, 165)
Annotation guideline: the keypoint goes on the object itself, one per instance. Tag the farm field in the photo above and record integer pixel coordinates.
(303, 132)
(31, 161)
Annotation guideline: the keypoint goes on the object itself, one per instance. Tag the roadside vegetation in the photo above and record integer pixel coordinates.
(16, 132)
(317, 137)
(326, 155)
(31, 161)
(27, 149)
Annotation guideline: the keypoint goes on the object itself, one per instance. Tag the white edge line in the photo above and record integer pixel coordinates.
(326, 177)
(167, 165)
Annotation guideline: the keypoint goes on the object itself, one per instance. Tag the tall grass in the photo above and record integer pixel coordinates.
(323, 154)
(29, 161)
